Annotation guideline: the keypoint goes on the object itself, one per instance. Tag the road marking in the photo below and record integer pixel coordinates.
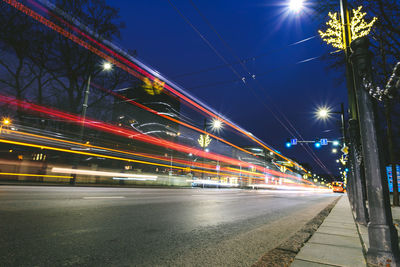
(103, 197)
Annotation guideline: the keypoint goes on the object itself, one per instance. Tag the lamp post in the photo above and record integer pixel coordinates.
(324, 113)
(217, 126)
(4, 122)
(106, 66)
(340, 34)
(204, 139)
(383, 240)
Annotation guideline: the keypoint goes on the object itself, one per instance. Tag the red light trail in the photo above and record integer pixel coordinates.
(137, 72)
(128, 133)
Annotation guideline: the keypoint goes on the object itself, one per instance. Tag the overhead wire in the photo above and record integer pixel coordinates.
(245, 60)
(318, 161)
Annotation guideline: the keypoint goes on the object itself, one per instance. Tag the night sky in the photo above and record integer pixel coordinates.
(263, 30)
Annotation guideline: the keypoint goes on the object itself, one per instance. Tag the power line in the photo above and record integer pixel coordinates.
(255, 75)
(241, 61)
(318, 161)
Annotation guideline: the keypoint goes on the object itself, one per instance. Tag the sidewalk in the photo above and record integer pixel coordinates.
(335, 243)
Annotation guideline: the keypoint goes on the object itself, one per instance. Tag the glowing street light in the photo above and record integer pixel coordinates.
(335, 143)
(107, 66)
(216, 125)
(296, 5)
(4, 122)
(323, 113)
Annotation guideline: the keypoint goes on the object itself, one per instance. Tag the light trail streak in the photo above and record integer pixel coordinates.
(35, 175)
(103, 197)
(282, 187)
(211, 182)
(165, 159)
(102, 173)
(170, 118)
(140, 72)
(84, 153)
(134, 179)
(125, 132)
(187, 163)
(105, 156)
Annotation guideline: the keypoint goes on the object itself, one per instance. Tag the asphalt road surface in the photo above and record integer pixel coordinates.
(89, 226)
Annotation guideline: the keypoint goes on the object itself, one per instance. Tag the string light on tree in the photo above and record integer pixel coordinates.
(204, 140)
(359, 27)
(334, 33)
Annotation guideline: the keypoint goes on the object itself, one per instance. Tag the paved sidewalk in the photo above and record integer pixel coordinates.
(335, 243)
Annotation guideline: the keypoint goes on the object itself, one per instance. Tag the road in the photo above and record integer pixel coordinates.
(92, 226)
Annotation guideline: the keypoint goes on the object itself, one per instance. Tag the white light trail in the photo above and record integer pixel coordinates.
(100, 173)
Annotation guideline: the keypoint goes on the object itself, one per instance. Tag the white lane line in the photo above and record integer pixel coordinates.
(103, 197)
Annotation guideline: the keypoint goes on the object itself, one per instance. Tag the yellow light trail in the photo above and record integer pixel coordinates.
(88, 145)
(233, 170)
(102, 156)
(35, 175)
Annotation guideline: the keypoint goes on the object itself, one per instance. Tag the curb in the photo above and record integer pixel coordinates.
(284, 254)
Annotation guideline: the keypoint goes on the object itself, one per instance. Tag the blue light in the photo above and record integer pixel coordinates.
(335, 143)
(317, 144)
(346, 170)
(288, 144)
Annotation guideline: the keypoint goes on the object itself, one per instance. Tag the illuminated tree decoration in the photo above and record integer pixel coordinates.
(333, 34)
(358, 26)
(204, 140)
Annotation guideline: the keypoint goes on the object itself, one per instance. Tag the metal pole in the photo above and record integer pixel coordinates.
(343, 124)
(84, 107)
(360, 207)
(82, 127)
(353, 111)
(204, 149)
(383, 240)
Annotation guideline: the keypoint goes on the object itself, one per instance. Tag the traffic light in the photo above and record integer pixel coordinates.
(288, 144)
(317, 143)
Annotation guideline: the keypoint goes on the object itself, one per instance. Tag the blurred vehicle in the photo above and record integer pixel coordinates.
(338, 187)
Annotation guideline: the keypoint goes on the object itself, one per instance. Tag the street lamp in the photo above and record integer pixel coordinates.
(106, 66)
(296, 5)
(324, 113)
(4, 122)
(216, 125)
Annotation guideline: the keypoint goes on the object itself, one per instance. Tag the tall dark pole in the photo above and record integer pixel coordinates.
(343, 125)
(383, 241)
(84, 108)
(204, 149)
(359, 193)
(359, 204)
(82, 127)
